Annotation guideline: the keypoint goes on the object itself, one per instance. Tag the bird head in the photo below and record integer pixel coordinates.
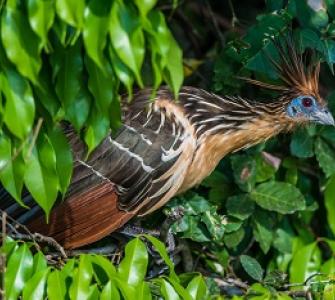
(299, 93)
(308, 108)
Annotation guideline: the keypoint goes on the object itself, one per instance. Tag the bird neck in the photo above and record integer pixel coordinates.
(212, 115)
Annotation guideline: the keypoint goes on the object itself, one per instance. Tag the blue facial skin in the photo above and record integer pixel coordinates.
(306, 107)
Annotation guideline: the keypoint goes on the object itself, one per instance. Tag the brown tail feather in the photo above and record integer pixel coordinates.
(83, 219)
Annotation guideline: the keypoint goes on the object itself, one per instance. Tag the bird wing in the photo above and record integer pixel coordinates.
(146, 159)
(131, 173)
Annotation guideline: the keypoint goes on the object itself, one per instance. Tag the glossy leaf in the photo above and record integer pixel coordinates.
(97, 130)
(168, 291)
(56, 287)
(278, 196)
(80, 287)
(305, 262)
(41, 16)
(197, 288)
(19, 104)
(133, 267)
(40, 175)
(11, 171)
(144, 6)
(64, 160)
(71, 11)
(101, 85)
(173, 73)
(68, 68)
(19, 270)
(109, 292)
(127, 37)
(34, 289)
(96, 29)
(160, 248)
(20, 43)
(40, 263)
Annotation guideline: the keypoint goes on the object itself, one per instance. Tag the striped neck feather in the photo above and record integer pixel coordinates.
(212, 114)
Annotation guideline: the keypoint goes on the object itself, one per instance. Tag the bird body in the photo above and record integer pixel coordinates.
(166, 146)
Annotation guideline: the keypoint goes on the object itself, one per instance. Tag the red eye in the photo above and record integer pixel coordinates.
(307, 102)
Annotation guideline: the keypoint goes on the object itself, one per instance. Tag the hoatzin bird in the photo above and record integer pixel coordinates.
(167, 146)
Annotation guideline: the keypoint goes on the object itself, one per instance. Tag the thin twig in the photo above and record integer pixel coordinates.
(37, 237)
(22, 145)
(215, 23)
(34, 237)
(34, 138)
(234, 19)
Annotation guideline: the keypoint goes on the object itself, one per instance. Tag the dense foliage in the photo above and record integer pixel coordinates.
(265, 216)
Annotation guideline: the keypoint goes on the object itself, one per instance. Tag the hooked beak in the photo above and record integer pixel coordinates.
(323, 116)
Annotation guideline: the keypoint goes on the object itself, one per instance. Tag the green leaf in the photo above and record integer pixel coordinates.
(215, 224)
(173, 73)
(252, 267)
(302, 144)
(80, 287)
(191, 227)
(127, 37)
(110, 292)
(19, 270)
(264, 170)
(263, 229)
(19, 104)
(56, 287)
(144, 6)
(276, 196)
(329, 53)
(197, 288)
(143, 291)
(168, 291)
(71, 12)
(183, 293)
(325, 156)
(96, 29)
(305, 262)
(122, 72)
(96, 131)
(244, 168)
(101, 85)
(64, 160)
(159, 40)
(20, 43)
(133, 267)
(240, 206)
(68, 67)
(160, 248)
(40, 175)
(330, 203)
(234, 238)
(127, 291)
(40, 263)
(11, 171)
(103, 269)
(41, 16)
(34, 288)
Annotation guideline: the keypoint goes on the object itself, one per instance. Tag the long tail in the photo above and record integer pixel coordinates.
(83, 218)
